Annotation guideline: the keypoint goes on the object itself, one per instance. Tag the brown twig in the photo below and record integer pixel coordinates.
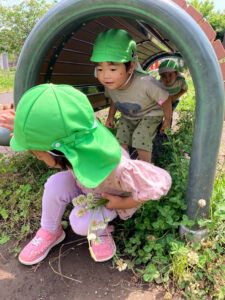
(62, 254)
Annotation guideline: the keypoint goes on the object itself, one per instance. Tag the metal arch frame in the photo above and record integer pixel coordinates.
(173, 22)
(159, 56)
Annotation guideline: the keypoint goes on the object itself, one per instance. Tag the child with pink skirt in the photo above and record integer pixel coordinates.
(56, 123)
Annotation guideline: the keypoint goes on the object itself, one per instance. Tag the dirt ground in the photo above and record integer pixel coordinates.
(70, 273)
(93, 280)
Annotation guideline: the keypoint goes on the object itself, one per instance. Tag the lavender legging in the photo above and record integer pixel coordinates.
(59, 191)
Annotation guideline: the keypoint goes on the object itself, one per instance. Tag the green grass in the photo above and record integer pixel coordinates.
(7, 80)
(149, 242)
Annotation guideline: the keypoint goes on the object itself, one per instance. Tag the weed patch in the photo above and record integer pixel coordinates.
(6, 80)
(22, 178)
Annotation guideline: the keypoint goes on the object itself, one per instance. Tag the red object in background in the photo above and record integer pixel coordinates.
(155, 66)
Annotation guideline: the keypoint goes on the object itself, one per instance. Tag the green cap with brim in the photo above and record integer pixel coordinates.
(60, 117)
(116, 45)
(168, 66)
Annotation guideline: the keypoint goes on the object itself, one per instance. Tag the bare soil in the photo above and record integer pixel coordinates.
(70, 273)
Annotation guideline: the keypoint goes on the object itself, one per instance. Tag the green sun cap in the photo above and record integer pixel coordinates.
(60, 117)
(114, 45)
(168, 66)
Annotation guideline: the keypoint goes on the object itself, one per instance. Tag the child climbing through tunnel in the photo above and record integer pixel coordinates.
(173, 81)
(94, 166)
(140, 98)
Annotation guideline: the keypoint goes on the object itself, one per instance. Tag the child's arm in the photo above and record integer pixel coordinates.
(7, 118)
(167, 109)
(110, 118)
(178, 95)
(117, 202)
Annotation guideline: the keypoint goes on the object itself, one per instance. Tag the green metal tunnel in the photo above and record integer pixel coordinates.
(59, 47)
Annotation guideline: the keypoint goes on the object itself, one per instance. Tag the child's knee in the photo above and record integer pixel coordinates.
(79, 224)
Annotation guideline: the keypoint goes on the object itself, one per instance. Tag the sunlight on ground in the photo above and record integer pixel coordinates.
(6, 275)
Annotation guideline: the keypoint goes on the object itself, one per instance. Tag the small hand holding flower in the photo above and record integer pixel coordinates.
(118, 202)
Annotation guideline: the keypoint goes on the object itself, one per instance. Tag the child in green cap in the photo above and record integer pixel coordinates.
(173, 81)
(94, 164)
(140, 98)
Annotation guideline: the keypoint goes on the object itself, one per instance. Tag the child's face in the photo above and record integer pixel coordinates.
(168, 78)
(113, 75)
(47, 158)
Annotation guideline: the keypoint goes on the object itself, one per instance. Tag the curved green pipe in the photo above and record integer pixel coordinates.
(173, 22)
(159, 56)
(4, 136)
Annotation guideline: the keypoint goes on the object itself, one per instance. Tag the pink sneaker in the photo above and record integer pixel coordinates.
(104, 247)
(37, 249)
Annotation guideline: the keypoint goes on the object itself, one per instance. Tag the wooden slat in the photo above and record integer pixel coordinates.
(181, 3)
(79, 46)
(222, 66)
(72, 56)
(195, 14)
(97, 100)
(75, 80)
(72, 68)
(209, 31)
(219, 49)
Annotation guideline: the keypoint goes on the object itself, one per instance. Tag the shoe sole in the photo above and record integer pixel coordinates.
(30, 263)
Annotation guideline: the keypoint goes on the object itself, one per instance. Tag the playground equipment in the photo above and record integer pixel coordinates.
(59, 47)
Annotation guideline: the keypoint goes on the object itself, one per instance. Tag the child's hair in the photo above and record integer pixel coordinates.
(60, 159)
(127, 64)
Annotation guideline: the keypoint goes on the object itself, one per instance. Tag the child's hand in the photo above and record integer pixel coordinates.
(7, 118)
(110, 122)
(165, 127)
(114, 201)
(117, 202)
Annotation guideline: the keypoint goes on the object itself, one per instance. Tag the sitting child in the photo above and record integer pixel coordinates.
(56, 123)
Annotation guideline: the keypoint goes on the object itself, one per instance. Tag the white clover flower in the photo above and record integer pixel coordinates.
(75, 201)
(106, 219)
(151, 238)
(94, 225)
(201, 203)
(122, 268)
(92, 236)
(97, 241)
(81, 199)
(80, 212)
(121, 265)
(102, 225)
(90, 203)
(88, 208)
(90, 197)
(192, 258)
